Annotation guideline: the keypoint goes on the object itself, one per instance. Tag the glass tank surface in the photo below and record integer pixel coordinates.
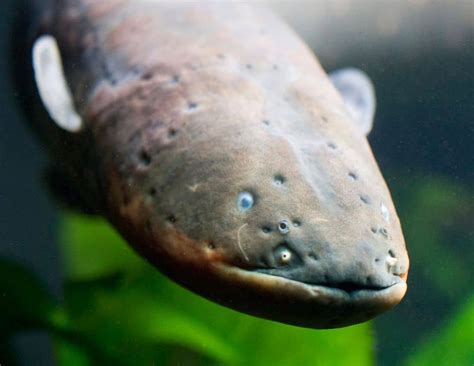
(73, 291)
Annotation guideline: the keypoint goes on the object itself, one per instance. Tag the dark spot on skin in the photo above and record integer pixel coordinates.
(296, 223)
(266, 122)
(377, 260)
(278, 180)
(147, 76)
(172, 133)
(275, 67)
(145, 158)
(152, 191)
(373, 229)
(171, 218)
(391, 253)
(266, 229)
(332, 145)
(365, 199)
(324, 118)
(192, 106)
(352, 176)
(370, 281)
(220, 56)
(249, 66)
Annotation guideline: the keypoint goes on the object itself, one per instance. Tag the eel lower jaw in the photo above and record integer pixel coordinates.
(346, 293)
(308, 305)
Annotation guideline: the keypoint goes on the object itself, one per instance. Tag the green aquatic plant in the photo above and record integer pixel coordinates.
(119, 310)
(451, 344)
(125, 304)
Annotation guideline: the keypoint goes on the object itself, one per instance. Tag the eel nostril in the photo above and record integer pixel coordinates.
(284, 227)
(391, 261)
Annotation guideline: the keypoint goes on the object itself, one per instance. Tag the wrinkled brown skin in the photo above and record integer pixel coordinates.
(185, 106)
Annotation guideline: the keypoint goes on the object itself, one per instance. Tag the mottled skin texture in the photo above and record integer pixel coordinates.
(185, 106)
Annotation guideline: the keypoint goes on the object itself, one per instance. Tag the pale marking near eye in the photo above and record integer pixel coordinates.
(240, 244)
(52, 86)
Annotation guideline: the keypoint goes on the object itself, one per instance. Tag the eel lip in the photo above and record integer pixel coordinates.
(362, 294)
(308, 305)
(348, 292)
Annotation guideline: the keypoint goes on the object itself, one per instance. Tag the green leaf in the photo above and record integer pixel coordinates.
(92, 248)
(142, 317)
(263, 342)
(451, 345)
(129, 317)
(24, 301)
(68, 353)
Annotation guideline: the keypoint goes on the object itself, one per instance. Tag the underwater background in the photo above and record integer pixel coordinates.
(72, 293)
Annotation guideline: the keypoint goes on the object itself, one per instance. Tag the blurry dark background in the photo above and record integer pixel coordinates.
(420, 56)
(27, 216)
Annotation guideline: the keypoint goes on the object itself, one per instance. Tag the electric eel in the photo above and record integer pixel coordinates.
(211, 138)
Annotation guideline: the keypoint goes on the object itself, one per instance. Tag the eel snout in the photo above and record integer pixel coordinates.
(329, 284)
(290, 259)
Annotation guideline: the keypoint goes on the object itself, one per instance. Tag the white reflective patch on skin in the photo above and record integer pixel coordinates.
(52, 86)
(391, 261)
(384, 211)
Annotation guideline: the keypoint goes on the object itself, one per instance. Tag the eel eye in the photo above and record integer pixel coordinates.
(245, 201)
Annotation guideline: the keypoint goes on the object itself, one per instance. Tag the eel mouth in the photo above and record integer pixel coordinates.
(310, 304)
(343, 290)
(347, 288)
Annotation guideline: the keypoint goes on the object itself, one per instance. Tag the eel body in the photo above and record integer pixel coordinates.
(211, 138)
